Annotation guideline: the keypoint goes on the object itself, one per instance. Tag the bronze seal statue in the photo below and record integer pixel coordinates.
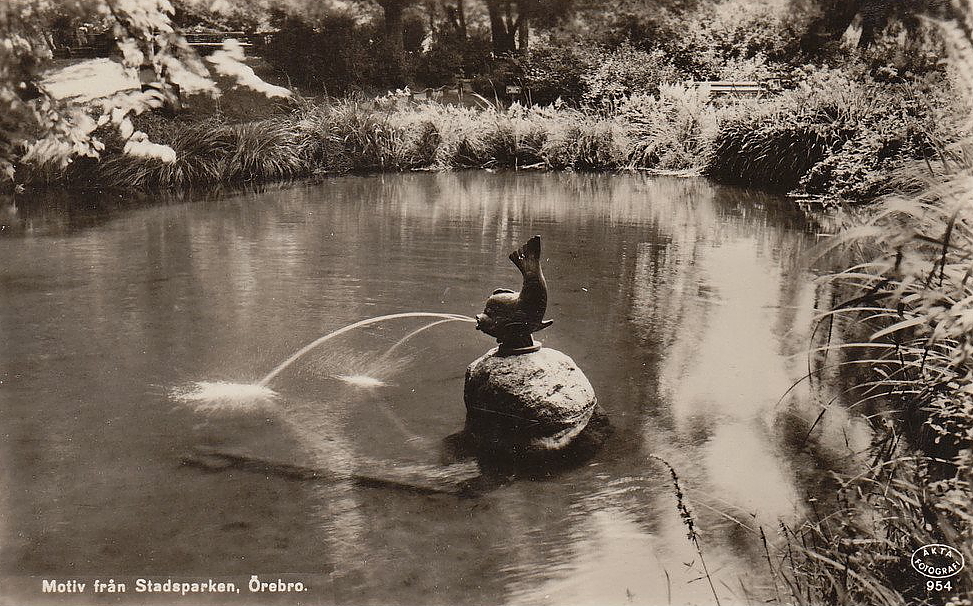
(511, 316)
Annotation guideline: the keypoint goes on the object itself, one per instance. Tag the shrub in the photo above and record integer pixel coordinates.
(626, 71)
(333, 55)
(794, 139)
(556, 69)
(451, 55)
(884, 149)
(723, 37)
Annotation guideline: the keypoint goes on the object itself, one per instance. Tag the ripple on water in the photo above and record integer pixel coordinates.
(216, 396)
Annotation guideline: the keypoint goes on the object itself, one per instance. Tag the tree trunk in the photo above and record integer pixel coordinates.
(874, 15)
(523, 34)
(461, 18)
(502, 35)
(830, 25)
(393, 40)
(456, 17)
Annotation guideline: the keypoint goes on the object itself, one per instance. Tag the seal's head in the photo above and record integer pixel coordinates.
(502, 317)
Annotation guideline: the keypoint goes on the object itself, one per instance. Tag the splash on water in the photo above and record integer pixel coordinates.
(214, 396)
(364, 381)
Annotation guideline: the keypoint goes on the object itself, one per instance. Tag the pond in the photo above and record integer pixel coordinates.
(690, 307)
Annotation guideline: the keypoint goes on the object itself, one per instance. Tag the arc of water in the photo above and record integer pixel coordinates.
(412, 314)
(388, 353)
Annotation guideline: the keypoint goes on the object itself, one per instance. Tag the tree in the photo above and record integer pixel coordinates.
(394, 13)
(456, 17)
(510, 21)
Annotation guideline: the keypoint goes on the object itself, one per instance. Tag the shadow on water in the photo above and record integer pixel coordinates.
(687, 305)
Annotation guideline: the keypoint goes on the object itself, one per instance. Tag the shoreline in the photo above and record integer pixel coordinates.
(784, 144)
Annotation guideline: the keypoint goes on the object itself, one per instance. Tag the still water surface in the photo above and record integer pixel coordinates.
(688, 305)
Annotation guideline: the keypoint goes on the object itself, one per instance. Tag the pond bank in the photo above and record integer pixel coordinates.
(831, 137)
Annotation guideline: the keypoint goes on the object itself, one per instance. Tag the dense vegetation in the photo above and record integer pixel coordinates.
(603, 87)
(832, 135)
(867, 110)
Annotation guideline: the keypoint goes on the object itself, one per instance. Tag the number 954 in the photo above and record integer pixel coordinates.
(939, 585)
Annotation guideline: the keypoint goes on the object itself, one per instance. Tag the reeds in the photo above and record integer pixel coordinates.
(909, 304)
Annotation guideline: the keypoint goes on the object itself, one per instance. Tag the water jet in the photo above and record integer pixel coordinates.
(212, 396)
(312, 345)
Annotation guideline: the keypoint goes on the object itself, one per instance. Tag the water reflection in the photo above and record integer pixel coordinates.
(687, 305)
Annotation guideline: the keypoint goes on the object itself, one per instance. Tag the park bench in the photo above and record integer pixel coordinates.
(208, 41)
(738, 88)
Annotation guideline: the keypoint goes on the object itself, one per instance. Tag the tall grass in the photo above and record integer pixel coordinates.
(910, 303)
(349, 136)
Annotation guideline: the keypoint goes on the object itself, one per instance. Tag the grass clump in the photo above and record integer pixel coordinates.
(675, 130)
(839, 135)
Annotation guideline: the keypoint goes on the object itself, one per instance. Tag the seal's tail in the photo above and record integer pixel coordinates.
(527, 258)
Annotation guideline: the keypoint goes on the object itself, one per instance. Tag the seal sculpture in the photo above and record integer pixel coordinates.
(524, 401)
(511, 316)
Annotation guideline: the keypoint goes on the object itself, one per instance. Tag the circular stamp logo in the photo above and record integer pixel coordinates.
(937, 561)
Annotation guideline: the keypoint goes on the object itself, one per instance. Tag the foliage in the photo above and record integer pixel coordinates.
(833, 136)
(724, 36)
(626, 71)
(901, 54)
(675, 130)
(333, 55)
(838, 134)
(41, 129)
(451, 54)
(556, 69)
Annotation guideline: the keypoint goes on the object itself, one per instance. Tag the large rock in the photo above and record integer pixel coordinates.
(527, 404)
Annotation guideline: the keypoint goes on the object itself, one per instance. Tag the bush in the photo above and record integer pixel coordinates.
(333, 55)
(556, 70)
(627, 71)
(835, 135)
(451, 55)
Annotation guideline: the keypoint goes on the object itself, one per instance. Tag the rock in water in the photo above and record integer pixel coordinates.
(526, 404)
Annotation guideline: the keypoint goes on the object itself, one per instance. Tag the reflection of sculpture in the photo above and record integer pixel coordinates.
(511, 316)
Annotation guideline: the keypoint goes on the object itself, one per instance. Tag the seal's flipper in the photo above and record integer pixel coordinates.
(544, 324)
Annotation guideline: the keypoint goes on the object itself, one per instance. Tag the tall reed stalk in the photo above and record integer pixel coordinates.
(687, 519)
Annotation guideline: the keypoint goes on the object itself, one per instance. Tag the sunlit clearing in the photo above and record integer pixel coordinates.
(361, 380)
(213, 396)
